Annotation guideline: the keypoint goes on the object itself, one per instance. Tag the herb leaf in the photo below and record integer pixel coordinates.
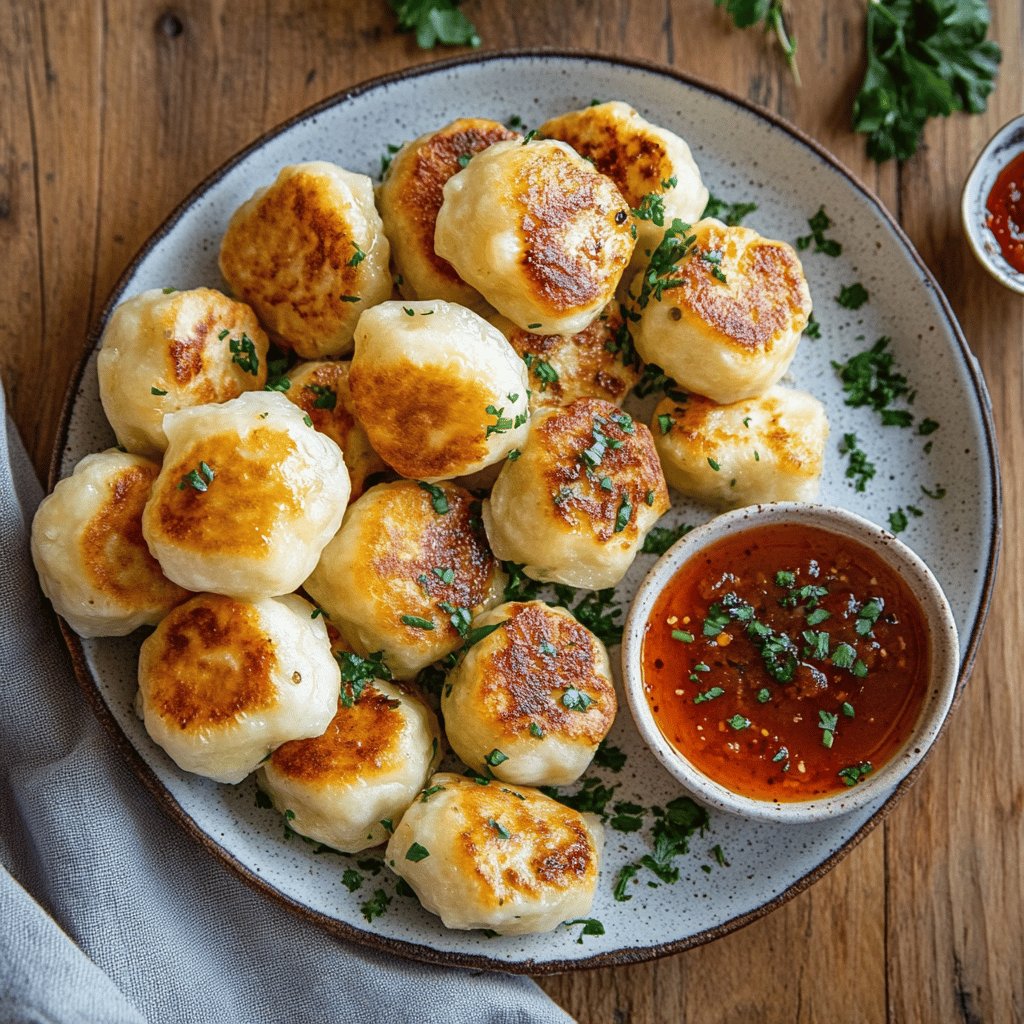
(435, 22)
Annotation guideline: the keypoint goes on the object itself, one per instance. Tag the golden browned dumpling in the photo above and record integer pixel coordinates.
(368, 766)
(531, 700)
(730, 327)
(576, 505)
(440, 391)
(409, 200)
(166, 350)
(407, 572)
(321, 390)
(309, 254)
(224, 682)
(248, 496)
(770, 448)
(538, 232)
(497, 856)
(564, 367)
(640, 158)
(88, 549)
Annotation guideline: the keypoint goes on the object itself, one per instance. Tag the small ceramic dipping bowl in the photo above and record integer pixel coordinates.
(1006, 144)
(789, 529)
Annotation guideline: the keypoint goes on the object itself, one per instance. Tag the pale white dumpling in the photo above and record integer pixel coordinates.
(166, 350)
(576, 505)
(406, 573)
(410, 197)
(439, 391)
(248, 496)
(223, 682)
(541, 234)
(563, 368)
(371, 763)
(770, 448)
(729, 325)
(321, 390)
(640, 158)
(497, 856)
(88, 549)
(530, 701)
(309, 254)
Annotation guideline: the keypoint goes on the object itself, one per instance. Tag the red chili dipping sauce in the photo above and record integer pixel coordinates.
(786, 662)
(1005, 206)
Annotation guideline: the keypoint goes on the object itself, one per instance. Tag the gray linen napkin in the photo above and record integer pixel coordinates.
(109, 913)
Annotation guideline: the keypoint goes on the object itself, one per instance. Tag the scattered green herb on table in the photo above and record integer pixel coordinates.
(434, 22)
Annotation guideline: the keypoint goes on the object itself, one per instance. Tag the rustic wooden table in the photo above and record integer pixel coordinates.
(111, 111)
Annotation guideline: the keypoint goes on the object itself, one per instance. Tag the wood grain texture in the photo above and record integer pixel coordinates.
(114, 110)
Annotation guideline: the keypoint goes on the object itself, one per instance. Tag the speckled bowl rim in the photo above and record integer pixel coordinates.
(943, 645)
(972, 201)
(417, 951)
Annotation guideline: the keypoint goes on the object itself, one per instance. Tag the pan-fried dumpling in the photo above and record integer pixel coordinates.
(166, 350)
(88, 549)
(564, 367)
(371, 763)
(640, 158)
(309, 254)
(537, 690)
(440, 391)
(770, 448)
(224, 682)
(497, 856)
(248, 496)
(729, 328)
(407, 572)
(538, 232)
(576, 505)
(409, 200)
(321, 390)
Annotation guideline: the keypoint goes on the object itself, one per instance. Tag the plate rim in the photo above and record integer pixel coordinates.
(414, 950)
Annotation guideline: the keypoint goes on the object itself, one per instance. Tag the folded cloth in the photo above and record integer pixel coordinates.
(109, 913)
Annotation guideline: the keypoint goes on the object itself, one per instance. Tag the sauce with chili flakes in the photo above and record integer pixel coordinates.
(786, 662)
(1005, 206)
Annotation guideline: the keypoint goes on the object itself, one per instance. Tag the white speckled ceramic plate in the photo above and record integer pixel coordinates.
(744, 154)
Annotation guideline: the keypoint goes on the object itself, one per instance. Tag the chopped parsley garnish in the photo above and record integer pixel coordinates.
(813, 328)
(870, 379)
(738, 722)
(435, 22)
(542, 370)
(445, 574)
(682, 636)
(591, 798)
(661, 538)
(536, 731)
(819, 224)
(427, 793)
(576, 700)
(519, 587)
(764, 695)
(596, 610)
(927, 426)
(417, 622)
(416, 853)
(715, 691)
(665, 422)
(438, 498)
(652, 208)
(730, 213)
(243, 352)
(157, 391)
(626, 874)
(868, 616)
(357, 671)
(859, 468)
(349, 298)
(357, 257)
(713, 464)
(385, 160)
(847, 709)
(502, 422)
(713, 258)
(624, 514)
(628, 817)
(852, 296)
(853, 773)
(936, 495)
(495, 757)
(474, 636)
(307, 419)
(590, 927)
(351, 879)
(388, 825)
(503, 833)
(610, 757)
(198, 479)
(898, 521)
(376, 905)
(169, 291)
(326, 398)
(464, 159)
(827, 722)
(817, 644)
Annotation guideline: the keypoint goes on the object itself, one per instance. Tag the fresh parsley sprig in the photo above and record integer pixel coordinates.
(435, 22)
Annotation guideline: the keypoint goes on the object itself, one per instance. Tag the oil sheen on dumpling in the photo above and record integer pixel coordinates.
(541, 234)
(439, 391)
(223, 682)
(88, 549)
(166, 350)
(309, 254)
(576, 505)
(407, 572)
(248, 496)
(321, 390)
(410, 197)
(497, 856)
(770, 448)
(538, 690)
(371, 763)
(564, 367)
(640, 158)
(729, 326)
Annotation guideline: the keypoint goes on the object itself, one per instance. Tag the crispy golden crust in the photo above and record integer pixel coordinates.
(579, 498)
(530, 663)
(411, 195)
(256, 471)
(321, 390)
(393, 397)
(209, 662)
(364, 736)
(583, 362)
